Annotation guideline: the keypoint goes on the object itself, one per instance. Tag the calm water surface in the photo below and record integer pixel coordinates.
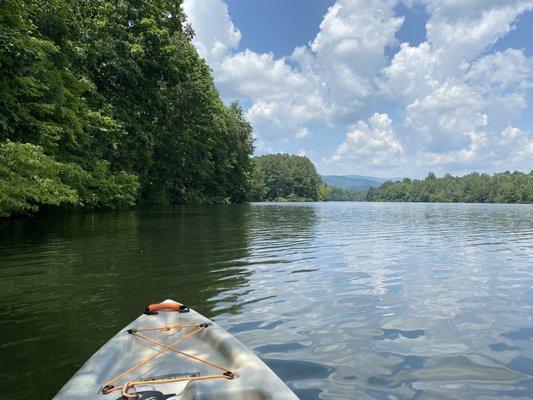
(342, 300)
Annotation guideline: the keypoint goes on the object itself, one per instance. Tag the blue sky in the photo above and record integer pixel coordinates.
(277, 26)
(383, 88)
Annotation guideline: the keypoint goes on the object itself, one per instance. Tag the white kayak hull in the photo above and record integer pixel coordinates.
(169, 373)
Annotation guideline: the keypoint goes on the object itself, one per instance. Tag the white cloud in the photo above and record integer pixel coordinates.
(259, 76)
(518, 142)
(512, 136)
(454, 96)
(414, 71)
(456, 101)
(354, 33)
(525, 154)
(371, 143)
(302, 133)
(346, 53)
(475, 104)
(327, 81)
(447, 119)
(215, 34)
(502, 71)
(463, 29)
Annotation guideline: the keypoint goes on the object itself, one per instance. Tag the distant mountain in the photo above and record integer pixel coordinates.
(353, 181)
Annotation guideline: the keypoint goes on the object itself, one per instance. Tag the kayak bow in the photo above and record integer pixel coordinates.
(173, 352)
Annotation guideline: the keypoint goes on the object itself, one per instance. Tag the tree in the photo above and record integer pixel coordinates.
(29, 179)
(181, 140)
(472, 188)
(117, 92)
(286, 177)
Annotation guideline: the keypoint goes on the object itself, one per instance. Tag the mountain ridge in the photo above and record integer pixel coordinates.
(354, 181)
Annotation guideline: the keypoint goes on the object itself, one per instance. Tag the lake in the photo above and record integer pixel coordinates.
(341, 300)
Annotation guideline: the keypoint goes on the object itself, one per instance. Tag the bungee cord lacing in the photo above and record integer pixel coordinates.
(112, 386)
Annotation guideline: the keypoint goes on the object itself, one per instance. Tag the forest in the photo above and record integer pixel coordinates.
(284, 177)
(106, 104)
(336, 193)
(506, 187)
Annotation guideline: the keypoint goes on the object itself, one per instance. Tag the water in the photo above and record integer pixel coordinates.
(342, 300)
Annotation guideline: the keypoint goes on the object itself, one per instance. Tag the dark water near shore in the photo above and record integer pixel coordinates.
(342, 300)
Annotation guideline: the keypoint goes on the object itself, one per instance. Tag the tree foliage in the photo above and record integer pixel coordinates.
(335, 193)
(116, 90)
(28, 178)
(516, 187)
(99, 187)
(284, 177)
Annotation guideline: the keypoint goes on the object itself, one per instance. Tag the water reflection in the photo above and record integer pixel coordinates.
(342, 300)
(397, 300)
(69, 282)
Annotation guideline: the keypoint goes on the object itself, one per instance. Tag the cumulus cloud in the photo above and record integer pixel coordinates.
(464, 29)
(512, 136)
(302, 133)
(457, 100)
(350, 46)
(502, 71)
(371, 143)
(525, 154)
(414, 71)
(326, 81)
(260, 76)
(518, 142)
(448, 118)
(454, 97)
(215, 34)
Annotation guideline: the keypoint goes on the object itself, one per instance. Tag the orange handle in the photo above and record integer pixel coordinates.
(154, 308)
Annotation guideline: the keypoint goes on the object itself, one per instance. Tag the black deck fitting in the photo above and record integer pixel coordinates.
(229, 375)
(132, 331)
(204, 325)
(107, 389)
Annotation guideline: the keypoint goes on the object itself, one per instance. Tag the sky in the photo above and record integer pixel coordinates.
(383, 88)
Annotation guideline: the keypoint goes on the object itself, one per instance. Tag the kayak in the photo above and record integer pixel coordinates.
(173, 352)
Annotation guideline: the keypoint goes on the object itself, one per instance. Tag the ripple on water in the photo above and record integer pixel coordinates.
(342, 300)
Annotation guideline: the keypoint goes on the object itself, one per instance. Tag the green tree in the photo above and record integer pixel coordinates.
(287, 177)
(41, 98)
(325, 192)
(115, 90)
(472, 188)
(181, 140)
(30, 179)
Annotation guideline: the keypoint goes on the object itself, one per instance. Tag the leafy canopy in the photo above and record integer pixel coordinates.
(516, 187)
(116, 95)
(285, 177)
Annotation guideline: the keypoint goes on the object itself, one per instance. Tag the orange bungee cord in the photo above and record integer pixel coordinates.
(111, 386)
